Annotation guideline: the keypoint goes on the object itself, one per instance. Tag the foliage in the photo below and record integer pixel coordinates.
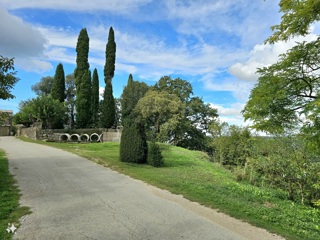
(133, 146)
(287, 92)
(109, 66)
(162, 111)
(95, 98)
(10, 208)
(155, 158)
(7, 77)
(58, 86)
(232, 144)
(191, 174)
(43, 87)
(131, 94)
(82, 50)
(49, 111)
(83, 101)
(70, 98)
(296, 19)
(290, 166)
(83, 81)
(108, 111)
(177, 87)
(171, 114)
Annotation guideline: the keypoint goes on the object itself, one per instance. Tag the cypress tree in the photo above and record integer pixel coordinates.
(58, 85)
(83, 101)
(95, 97)
(133, 145)
(83, 81)
(109, 67)
(131, 95)
(108, 105)
(108, 112)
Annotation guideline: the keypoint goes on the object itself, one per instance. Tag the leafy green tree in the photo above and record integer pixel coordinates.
(287, 93)
(83, 101)
(43, 87)
(109, 108)
(232, 145)
(173, 115)
(7, 77)
(296, 19)
(95, 97)
(58, 86)
(83, 81)
(177, 86)
(51, 112)
(161, 111)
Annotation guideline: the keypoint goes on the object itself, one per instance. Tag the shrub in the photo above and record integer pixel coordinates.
(133, 145)
(155, 158)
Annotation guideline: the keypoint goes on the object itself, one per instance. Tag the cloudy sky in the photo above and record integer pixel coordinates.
(216, 45)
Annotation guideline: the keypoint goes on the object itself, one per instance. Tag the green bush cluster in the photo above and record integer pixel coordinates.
(155, 158)
(133, 146)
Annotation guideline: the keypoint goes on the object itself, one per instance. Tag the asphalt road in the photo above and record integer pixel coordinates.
(73, 198)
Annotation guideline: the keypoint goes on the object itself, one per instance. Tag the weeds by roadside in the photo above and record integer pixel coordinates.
(10, 210)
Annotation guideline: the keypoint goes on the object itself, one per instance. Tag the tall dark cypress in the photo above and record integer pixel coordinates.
(109, 67)
(108, 105)
(58, 85)
(83, 102)
(95, 97)
(133, 146)
(108, 112)
(83, 81)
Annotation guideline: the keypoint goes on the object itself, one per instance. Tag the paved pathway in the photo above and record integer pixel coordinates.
(73, 198)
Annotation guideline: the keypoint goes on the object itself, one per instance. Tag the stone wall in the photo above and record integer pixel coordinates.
(5, 130)
(108, 135)
(31, 132)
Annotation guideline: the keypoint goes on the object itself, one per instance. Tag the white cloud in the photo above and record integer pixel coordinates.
(264, 55)
(33, 65)
(76, 5)
(247, 20)
(19, 39)
(231, 114)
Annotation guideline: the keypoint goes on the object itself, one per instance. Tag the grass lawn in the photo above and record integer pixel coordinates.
(10, 210)
(191, 174)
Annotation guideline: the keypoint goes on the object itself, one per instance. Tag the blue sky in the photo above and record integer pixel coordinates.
(216, 45)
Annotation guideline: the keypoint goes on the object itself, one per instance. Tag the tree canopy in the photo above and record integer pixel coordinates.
(7, 77)
(108, 111)
(51, 112)
(287, 93)
(58, 86)
(131, 94)
(95, 97)
(83, 81)
(43, 87)
(297, 17)
(286, 96)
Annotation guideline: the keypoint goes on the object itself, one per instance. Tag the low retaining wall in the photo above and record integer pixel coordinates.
(77, 135)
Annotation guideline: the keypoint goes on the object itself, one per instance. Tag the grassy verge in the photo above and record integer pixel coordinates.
(10, 210)
(191, 174)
